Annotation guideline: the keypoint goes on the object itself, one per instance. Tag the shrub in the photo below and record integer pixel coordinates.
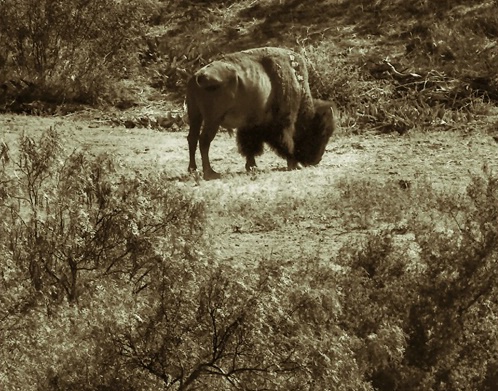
(71, 217)
(78, 243)
(423, 304)
(243, 329)
(108, 285)
(67, 51)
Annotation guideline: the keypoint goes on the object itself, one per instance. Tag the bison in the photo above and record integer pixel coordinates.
(264, 94)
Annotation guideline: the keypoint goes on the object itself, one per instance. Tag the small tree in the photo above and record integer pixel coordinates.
(226, 328)
(68, 50)
(424, 307)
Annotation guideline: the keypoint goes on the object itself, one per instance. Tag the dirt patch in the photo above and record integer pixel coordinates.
(445, 159)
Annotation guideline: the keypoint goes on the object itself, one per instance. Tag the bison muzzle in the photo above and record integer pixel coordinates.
(265, 95)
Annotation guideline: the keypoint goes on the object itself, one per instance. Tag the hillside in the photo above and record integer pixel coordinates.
(390, 65)
(375, 270)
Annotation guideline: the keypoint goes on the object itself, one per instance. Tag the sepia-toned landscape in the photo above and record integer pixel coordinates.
(375, 269)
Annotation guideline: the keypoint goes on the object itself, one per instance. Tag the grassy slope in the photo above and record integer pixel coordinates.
(389, 65)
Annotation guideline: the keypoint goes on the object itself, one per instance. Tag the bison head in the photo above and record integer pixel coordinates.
(313, 133)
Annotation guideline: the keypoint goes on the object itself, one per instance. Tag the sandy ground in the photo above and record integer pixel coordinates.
(444, 158)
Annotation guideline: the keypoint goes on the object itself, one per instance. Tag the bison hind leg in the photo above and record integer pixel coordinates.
(250, 142)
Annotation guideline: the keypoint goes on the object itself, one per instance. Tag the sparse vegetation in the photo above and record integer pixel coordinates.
(109, 282)
(123, 276)
(57, 52)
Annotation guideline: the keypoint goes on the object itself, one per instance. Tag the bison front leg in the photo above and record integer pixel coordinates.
(205, 139)
(250, 142)
(250, 163)
(292, 163)
(288, 148)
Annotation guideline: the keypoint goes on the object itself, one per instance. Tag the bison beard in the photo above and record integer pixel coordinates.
(264, 93)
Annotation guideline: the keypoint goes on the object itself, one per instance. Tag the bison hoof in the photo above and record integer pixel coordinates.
(250, 164)
(210, 175)
(292, 164)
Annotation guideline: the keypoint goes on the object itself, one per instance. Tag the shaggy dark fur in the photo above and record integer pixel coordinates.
(252, 139)
(313, 133)
(265, 94)
(310, 139)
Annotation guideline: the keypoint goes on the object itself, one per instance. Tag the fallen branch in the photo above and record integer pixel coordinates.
(400, 75)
